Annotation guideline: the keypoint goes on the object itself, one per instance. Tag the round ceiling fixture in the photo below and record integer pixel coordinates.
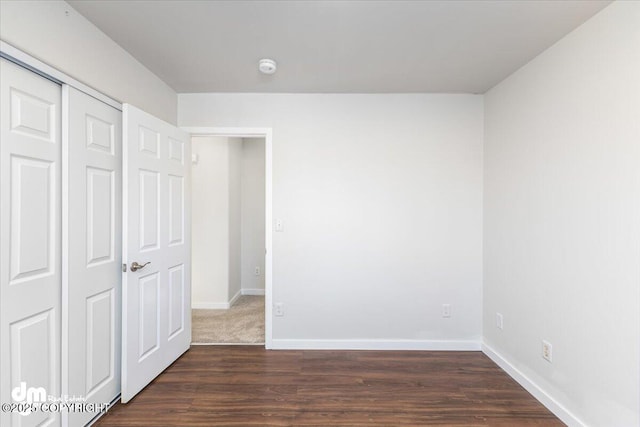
(267, 66)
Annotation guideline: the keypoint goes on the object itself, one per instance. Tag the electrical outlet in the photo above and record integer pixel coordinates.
(499, 321)
(257, 271)
(547, 351)
(279, 225)
(278, 309)
(446, 310)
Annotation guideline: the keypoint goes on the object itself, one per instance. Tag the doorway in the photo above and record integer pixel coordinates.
(230, 238)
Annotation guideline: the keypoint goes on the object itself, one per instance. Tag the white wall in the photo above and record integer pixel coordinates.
(210, 223)
(215, 215)
(562, 219)
(56, 34)
(253, 202)
(380, 196)
(228, 219)
(235, 239)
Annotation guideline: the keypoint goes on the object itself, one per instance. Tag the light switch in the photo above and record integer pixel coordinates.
(278, 309)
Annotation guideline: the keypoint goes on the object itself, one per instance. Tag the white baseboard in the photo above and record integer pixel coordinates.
(243, 344)
(252, 291)
(536, 391)
(234, 298)
(215, 305)
(210, 305)
(433, 345)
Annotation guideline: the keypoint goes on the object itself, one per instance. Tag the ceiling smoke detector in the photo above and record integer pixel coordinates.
(267, 66)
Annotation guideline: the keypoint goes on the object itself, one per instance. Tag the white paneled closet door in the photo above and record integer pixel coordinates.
(92, 235)
(30, 224)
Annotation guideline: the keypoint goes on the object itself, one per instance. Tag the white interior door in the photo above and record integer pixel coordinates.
(30, 278)
(93, 232)
(156, 302)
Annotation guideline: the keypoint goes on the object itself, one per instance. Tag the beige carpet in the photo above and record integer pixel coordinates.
(241, 324)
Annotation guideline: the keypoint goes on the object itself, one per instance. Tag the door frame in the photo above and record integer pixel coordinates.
(266, 133)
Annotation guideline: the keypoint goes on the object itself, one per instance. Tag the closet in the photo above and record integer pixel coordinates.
(60, 253)
(87, 315)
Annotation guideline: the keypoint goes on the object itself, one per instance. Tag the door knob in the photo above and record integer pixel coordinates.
(135, 266)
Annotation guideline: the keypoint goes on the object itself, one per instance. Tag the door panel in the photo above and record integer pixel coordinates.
(94, 251)
(33, 116)
(157, 299)
(30, 270)
(100, 352)
(176, 210)
(31, 218)
(149, 322)
(101, 215)
(149, 222)
(177, 300)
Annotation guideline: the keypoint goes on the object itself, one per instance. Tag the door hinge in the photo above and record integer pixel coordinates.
(124, 268)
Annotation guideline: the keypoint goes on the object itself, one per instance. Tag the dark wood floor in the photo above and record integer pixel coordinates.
(249, 386)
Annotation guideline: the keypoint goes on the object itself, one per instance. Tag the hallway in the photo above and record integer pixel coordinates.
(243, 323)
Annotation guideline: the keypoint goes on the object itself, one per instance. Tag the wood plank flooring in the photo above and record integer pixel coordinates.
(249, 386)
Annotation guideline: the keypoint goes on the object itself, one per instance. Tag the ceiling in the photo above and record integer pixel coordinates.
(336, 46)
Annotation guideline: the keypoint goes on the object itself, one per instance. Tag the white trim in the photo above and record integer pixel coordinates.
(266, 133)
(382, 344)
(534, 389)
(232, 132)
(210, 305)
(252, 291)
(234, 298)
(64, 268)
(228, 343)
(19, 57)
